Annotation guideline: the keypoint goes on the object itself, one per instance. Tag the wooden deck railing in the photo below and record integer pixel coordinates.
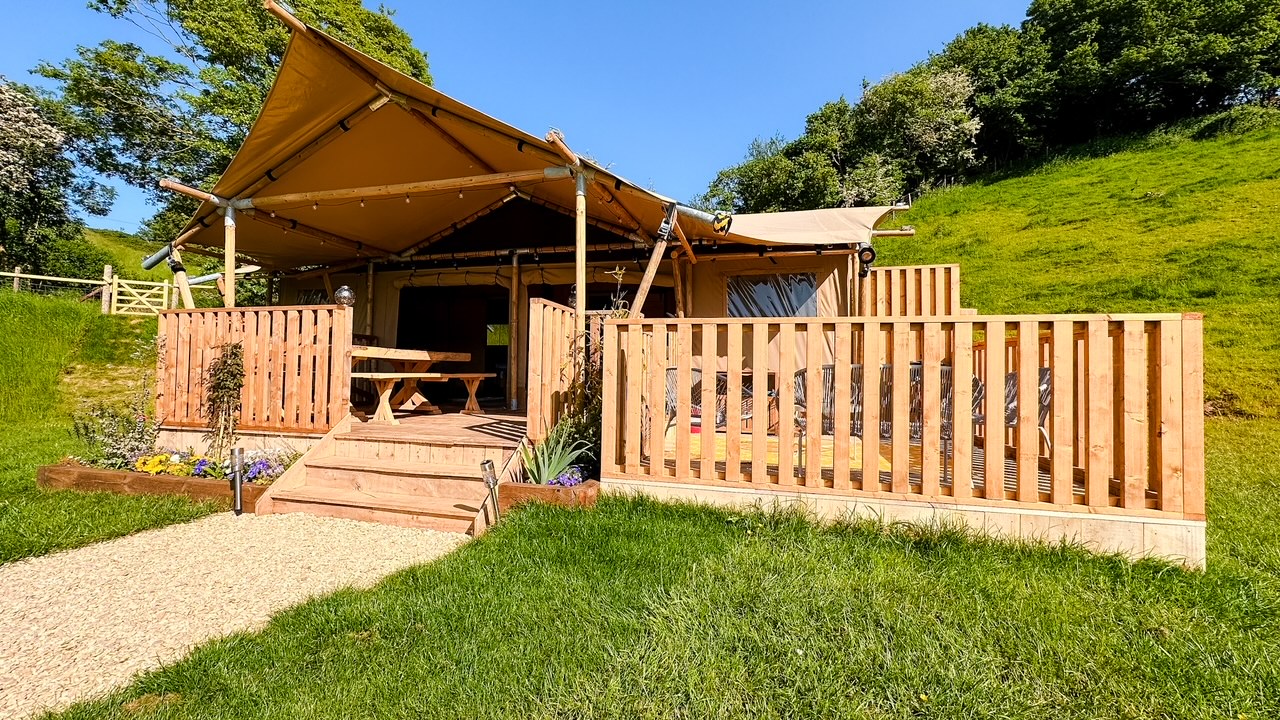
(551, 364)
(297, 365)
(1093, 413)
(909, 291)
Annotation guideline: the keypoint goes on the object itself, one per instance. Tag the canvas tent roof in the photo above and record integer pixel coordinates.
(336, 118)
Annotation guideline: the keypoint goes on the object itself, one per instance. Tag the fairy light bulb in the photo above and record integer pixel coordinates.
(406, 199)
(361, 202)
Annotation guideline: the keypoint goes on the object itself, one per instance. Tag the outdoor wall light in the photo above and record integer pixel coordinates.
(344, 296)
(491, 482)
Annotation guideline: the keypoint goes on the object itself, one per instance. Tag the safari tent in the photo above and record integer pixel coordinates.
(742, 357)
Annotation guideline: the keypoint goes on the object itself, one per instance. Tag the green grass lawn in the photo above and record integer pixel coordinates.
(643, 610)
(56, 355)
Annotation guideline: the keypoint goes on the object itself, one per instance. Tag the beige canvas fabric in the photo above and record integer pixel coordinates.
(324, 89)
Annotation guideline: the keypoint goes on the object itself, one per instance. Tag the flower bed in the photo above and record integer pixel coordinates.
(70, 475)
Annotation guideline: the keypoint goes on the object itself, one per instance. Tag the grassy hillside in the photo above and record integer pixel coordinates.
(57, 356)
(127, 252)
(1169, 223)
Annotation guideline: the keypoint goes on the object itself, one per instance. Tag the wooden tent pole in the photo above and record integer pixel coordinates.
(421, 187)
(580, 261)
(180, 279)
(513, 332)
(368, 301)
(650, 271)
(677, 276)
(229, 256)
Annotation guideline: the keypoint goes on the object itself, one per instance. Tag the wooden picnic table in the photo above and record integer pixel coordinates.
(411, 365)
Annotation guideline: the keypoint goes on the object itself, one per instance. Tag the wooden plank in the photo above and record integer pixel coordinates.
(609, 398)
(993, 430)
(1193, 416)
(962, 422)
(940, 299)
(954, 274)
(872, 341)
(1062, 473)
(901, 409)
(324, 369)
(537, 338)
(1169, 437)
(658, 364)
(760, 403)
(632, 398)
(279, 371)
(1100, 410)
(306, 369)
(786, 402)
(931, 407)
(842, 479)
(925, 288)
(815, 349)
(1028, 433)
(1135, 416)
(684, 390)
(707, 434)
(733, 403)
(341, 367)
(250, 400)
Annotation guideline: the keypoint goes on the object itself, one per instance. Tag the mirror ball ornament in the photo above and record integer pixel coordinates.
(344, 296)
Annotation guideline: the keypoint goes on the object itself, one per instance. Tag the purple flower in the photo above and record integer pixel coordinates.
(568, 478)
(202, 467)
(259, 468)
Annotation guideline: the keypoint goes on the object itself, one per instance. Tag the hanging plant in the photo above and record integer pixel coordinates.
(223, 380)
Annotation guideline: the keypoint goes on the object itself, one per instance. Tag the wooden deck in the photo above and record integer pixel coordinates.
(496, 428)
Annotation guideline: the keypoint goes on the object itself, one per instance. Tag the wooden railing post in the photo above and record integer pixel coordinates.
(1193, 416)
(106, 290)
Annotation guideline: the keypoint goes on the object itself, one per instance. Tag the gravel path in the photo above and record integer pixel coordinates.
(80, 623)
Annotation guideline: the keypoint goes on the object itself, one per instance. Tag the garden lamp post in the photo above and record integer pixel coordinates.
(491, 482)
(237, 479)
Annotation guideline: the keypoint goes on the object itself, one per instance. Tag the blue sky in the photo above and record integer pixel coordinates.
(668, 93)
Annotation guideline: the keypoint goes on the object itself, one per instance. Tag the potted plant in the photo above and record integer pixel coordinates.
(552, 474)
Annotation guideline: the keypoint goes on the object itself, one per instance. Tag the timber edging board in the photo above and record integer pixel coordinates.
(67, 476)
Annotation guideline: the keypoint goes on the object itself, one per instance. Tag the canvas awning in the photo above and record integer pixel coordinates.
(337, 119)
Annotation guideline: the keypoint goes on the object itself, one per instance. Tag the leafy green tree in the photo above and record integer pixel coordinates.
(183, 106)
(40, 191)
(1128, 65)
(1012, 85)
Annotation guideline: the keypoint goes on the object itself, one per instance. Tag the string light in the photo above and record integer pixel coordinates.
(273, 213)
(406, 199)
(361, 202)
(315, 206)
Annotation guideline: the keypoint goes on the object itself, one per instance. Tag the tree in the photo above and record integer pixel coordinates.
(185, 106)
(1129, 65)
(40, 191)
(921, 118)
(1012, 85)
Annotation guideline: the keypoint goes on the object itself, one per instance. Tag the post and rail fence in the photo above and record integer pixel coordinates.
(1077, 413)
(116, 295)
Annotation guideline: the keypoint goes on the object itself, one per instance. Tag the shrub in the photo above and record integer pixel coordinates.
(115, 436)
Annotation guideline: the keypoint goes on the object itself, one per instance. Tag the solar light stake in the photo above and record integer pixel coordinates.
(491, 482)
(237, 479)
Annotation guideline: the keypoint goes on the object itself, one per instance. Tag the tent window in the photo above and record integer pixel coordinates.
(784, 295)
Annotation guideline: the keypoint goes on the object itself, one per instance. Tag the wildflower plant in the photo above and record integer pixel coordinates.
(115, 436)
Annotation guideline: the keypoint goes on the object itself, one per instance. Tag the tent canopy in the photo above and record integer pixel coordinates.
(337, 119)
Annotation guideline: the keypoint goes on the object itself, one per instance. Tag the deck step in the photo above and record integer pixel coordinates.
(396, 467)
(437, 513)
(396, 477)
(366, 434)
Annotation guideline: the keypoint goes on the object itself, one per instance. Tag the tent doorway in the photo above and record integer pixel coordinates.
(473, 320)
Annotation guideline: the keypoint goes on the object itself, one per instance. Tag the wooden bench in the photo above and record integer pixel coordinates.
(386, 381)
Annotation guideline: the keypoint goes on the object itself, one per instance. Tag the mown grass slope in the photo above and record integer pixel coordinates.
(56, 356)
(1170, 223)
(127, 252)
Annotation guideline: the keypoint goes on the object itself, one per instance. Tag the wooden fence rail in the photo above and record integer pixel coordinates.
(551, 364)
(1088, 413)
(297, 365)
(909, 291)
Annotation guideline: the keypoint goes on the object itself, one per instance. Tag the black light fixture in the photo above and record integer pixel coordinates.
(866, 258)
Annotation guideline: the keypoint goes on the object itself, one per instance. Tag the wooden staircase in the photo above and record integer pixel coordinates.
(425, 474)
